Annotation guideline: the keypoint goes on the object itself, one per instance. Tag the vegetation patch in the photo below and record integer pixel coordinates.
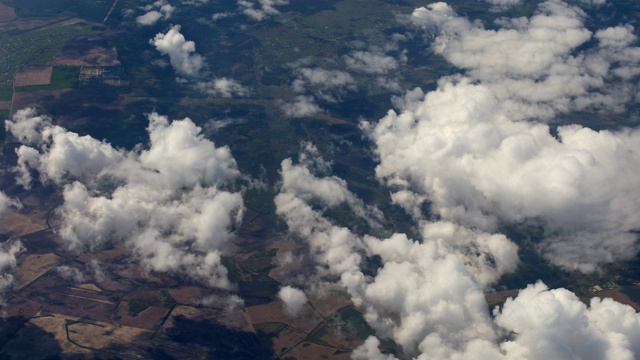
(62, 77)
(143, 298)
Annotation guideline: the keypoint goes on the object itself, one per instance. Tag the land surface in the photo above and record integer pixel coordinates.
(83, 66)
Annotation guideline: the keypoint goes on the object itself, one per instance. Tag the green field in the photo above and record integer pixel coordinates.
(62, 77)
(33, 48)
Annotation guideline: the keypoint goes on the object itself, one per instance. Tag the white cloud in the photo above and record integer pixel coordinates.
(370, 62)
(8, 262)
(428, 295)
(477, 167)
(155, 11)
(70, 273)
(321, 78)
(182, 53)
(293, 300)
(222, 87)
(260, 9)
(301, 106)
(532, 64)
(165, 203)
(466, 149)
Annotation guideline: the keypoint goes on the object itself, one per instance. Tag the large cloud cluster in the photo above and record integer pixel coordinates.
(166, 203)
(533, 65)
(428, 295)
(466, 148)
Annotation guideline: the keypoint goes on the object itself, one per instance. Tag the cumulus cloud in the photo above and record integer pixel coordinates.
(222, 87)
(533, 65)
(301, 106)
(466, 150)
(428, 294)
(8, 262)
(260, 9)
(293, 300)
(70, 273)
(370, 62)
(182, 53)
(477, 167)
(321, 78)
(155, 11)
(450, 265)
(166, 203)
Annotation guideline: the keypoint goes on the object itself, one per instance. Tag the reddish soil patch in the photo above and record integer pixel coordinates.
(622, 295)
(5, 105)
(116, 253)
(19, 306)
(7, 13)
(187, 295)
(33, 75)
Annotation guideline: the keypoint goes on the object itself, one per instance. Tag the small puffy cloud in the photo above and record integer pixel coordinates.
(182, 53)
(293, 300)
(301, 106)
(222, 87)
(502, 4)
(166, 203)
(370, 62)
(8, 262)
(70, 273)
(321, 78)
(260, 9)
(154, 12)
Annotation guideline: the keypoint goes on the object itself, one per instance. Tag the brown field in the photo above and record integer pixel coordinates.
(80, 307)
(272, 312)
(41, 337)
(620, 295)
(147, 319)
(5, 105)
(186, 295)
(86, 54)
(116, 253)
(44, 242)
(39, 99)
(19, 225)
(19, 306)
(287, 339)
(101, 335)
(498, 297)
(7, 13)
(311, 351)
(31, 266)
(33, 75)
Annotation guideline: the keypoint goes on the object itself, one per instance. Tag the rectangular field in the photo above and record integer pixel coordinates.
(33, 75)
